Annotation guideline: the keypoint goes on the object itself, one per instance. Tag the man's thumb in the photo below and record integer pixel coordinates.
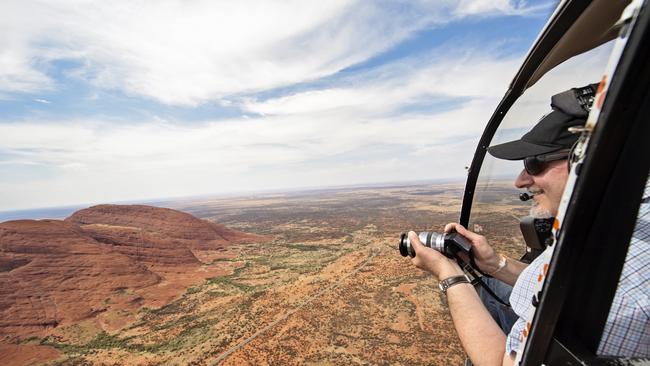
(415, 241)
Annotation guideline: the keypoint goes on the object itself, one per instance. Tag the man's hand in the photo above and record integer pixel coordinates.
(486, 258)
(433, 261)
(481, 337)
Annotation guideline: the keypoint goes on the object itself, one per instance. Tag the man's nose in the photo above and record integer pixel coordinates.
(523, 180)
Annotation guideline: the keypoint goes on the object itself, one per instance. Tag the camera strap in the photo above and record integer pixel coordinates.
(477, 278)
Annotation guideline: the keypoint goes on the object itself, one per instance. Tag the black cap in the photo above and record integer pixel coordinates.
(551, 133)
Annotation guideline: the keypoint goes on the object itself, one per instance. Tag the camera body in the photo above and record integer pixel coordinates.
(449, 244)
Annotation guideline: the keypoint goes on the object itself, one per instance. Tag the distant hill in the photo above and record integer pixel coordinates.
(171, 237)
(55, 272)
(167, 224)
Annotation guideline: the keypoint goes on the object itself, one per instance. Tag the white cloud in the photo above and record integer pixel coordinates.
(399, 84)
(99, 161)
(354, 130)
(187, 53)
(160, 160)
(17, 75)
(349, 133)
(490, 7)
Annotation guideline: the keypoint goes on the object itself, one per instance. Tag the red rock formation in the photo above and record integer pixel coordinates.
(156, 236)
(172, 224)
(51, 273)
(56, 272)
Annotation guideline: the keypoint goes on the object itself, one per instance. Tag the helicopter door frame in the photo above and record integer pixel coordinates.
(600, 217)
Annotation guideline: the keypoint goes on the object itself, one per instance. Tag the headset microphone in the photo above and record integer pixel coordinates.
(526, 196)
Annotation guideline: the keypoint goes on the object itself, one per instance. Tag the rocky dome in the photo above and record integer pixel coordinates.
(179, 227)
(156, 236)
(51, 272)
(54, 272)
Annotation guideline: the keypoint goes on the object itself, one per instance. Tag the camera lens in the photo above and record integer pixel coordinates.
(427, 238)
(404, 245)
(436, 241)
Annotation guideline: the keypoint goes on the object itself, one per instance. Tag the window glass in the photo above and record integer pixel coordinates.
(496, 208)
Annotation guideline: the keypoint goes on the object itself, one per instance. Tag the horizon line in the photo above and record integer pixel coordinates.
(160, 200)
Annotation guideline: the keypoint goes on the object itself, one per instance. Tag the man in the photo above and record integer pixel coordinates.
(544, 151)
(548, 141)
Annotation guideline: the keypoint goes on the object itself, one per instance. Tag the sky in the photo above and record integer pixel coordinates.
(123, 101)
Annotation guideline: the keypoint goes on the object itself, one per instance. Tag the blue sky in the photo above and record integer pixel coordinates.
(115, 101)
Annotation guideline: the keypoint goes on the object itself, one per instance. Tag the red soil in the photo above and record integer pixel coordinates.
(58, 275)
(12, 354)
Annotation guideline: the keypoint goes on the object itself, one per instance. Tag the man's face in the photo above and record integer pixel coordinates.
(547, 187)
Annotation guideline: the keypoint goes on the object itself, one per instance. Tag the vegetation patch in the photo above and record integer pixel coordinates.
(174, 307)
(193, 290)
(309, 248)
(227, 260)
(227, 281)
(124, 291)
(30, 340)
(181, 322)
(216, 293)
(103, 340)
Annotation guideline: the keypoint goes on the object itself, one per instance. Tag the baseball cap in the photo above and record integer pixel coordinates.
(569, 109)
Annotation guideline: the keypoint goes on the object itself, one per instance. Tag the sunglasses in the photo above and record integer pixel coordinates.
(537, 164)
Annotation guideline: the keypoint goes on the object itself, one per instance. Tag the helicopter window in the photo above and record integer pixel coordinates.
(496, 207)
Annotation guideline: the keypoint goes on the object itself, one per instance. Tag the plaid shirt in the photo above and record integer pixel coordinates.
(627, 331)
(521, 302)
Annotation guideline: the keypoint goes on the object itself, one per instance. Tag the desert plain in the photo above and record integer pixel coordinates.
(302, 278)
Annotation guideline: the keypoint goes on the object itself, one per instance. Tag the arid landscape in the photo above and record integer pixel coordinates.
(305, 278)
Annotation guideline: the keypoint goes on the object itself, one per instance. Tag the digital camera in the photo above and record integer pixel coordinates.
(449, 244)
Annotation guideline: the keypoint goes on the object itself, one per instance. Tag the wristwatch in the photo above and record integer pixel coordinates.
(445, 284)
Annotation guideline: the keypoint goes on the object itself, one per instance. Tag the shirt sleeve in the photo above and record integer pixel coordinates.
(627, 331)
(515, 336)
(627, 334)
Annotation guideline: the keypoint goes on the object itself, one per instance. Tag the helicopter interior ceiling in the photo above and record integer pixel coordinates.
(598, 24)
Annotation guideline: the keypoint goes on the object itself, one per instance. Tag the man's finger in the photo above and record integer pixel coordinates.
(415, 241)
(473, 237)
(450, 227)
